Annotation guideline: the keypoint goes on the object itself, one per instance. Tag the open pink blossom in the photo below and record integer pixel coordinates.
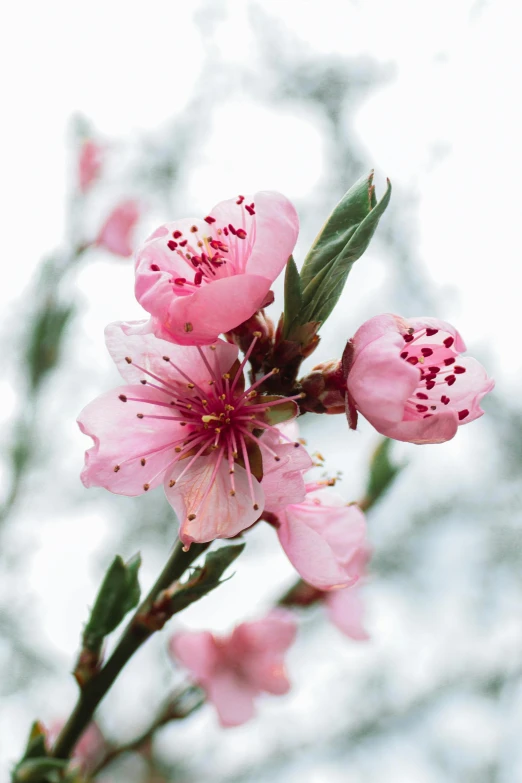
(89, 164)
(234, 670)
(88, 752)
(200, 278)
(324, 538)
(346, 611)
(116, 233)
(408, 379)
(184, 419)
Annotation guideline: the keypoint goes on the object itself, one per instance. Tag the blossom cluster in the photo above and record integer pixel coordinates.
(227, 451)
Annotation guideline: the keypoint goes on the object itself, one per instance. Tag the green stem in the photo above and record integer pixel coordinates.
(131, 640)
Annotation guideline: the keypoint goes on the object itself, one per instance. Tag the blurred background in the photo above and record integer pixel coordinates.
(192, 103)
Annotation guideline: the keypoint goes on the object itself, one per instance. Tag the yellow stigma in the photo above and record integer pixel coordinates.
(208, 418)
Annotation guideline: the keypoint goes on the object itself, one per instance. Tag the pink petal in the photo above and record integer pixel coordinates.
(232, 698)
(121, 440)
(196, 651)
(116, 233)
(275, 633)
(377, 327)
(134, 340)
(346, 610)
(307, 548)
(470, 388)
(215, 308)
(380, 382)
(283, 481)
(276, 230)
(437, 428)
(422, 322)
(218, 514)
(89, 164)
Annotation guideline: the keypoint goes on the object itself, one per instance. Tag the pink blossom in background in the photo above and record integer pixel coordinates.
(89, 164)
(234, 670)
(345, 610)
(409, 380)
(201, 278)
(116, 233)
(90, 749)
(324, 538)
(184, 419)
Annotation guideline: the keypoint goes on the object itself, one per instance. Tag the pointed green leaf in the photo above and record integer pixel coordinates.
(35, 747)
(40, 770)
(382, 473)
(204, 579)
(118, 594)
(293, 296)
(342, 240)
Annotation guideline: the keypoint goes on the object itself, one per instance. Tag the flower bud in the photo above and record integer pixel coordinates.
(325, 388)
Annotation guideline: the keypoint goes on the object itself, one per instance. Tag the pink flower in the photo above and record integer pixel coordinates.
(89, 751)
(185, 420)
(324, 538)
(408, 380)
(89, 164)
(346, 610)
(116, 233)
(200, 278)
(234, 670)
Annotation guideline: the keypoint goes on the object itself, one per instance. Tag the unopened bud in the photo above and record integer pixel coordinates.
(325, 388)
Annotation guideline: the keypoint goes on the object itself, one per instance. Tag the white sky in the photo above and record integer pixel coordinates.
(446, 127)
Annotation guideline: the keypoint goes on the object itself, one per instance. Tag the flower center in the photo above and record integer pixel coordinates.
(221, 252)
(220, 416)
(432, 352)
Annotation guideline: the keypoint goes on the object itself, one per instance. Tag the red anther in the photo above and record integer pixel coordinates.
(413, 360)
(155, 267)
(421, 396)
(194, 229)
(447, 362)
(448, 342)
(195, 260)
(180, 280)
(450, 380)
(241, 233)
(429, 377)
(434, 369)
(444, 399)
(177, 234)
(240, 199)
(430, 332)
(209, 219)
(463, 414)
(225, 231)
(458, 369)
(407, 338)
(422, 408)
(198, 277)
(430, 385)
(404, 355)
(217, 260)
(250, 208)
(182, 244)
(172, 245)
(232, 229)
(427, 415)
(426, 351)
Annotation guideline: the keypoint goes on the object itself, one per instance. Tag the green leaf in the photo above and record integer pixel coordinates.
(204, 579)
(276, 414)
(46, 338)
(36, 742)
(118, 594)
(382, 473)
(40, 770)
(293, 296)
(342, 240)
